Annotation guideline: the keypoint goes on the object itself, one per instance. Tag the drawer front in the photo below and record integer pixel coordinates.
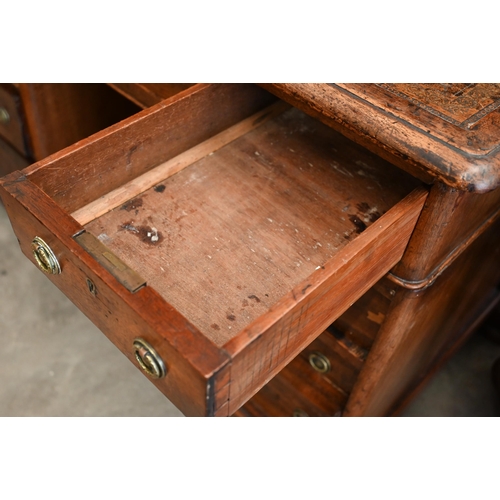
(11, 119)
(316, 383)
(123, 316)
(334, 357)
(297, 391)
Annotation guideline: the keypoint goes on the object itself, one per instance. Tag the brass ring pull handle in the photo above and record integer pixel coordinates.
(45, 257)
(148, 359)
(319, 362)
(4, 116)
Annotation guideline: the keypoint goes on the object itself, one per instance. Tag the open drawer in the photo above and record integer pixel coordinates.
(213, 236)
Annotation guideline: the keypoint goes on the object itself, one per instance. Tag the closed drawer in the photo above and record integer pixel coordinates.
(223, 228)
(11, 122)
(297, 391)
(147, 94)
(319, 381)
(10, 159)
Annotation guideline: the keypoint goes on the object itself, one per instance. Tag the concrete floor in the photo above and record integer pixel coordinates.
(463, 387)
(55, 362)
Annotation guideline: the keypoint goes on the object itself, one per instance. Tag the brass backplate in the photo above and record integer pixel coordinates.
(149, 360)
(45, 257)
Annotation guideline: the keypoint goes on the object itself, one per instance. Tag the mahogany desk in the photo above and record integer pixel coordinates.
(375, 239)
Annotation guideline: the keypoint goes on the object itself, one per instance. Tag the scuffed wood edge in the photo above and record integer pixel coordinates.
(267, 345)
(32, 211)
(158, 174)
(48, 161)
(394, 139)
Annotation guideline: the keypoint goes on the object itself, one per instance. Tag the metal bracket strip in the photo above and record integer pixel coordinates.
(107, 259)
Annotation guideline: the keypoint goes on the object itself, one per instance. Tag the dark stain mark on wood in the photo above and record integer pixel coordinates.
(367, 212)
(254, 297)
(3, 272)
(215, 326)
(128, 226)
(336, 333)
(160, 188)
(238, 287)
(305, 288)
(231, 317)
(363, 207)
(358, 223)
(132, 204)
(150, 235)
(349, 344)
(244, 303)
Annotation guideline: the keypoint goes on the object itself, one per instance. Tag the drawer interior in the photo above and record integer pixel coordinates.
(226, 237)
(253, 224)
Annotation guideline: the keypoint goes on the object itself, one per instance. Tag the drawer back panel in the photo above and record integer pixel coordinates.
(95, 166)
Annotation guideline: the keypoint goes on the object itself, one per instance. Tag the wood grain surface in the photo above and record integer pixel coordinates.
(10, 159)
(194, 364)
(296, 391)
(462, 115)
(61, 114)
(107, 160)
(14, 130)
(267, 345)
(252, 243)
(160, 173)
(414, 126)
(420, 327)
(450, 221)
(148, 94)
(345, 355)
(253, 250)
(226, 238)
(361, 322)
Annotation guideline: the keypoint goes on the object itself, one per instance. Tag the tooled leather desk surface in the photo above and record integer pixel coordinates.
(446, 131)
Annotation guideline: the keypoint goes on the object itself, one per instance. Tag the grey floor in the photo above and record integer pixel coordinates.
(55, 362)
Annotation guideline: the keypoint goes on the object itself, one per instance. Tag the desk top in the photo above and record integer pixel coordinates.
(446, 131)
